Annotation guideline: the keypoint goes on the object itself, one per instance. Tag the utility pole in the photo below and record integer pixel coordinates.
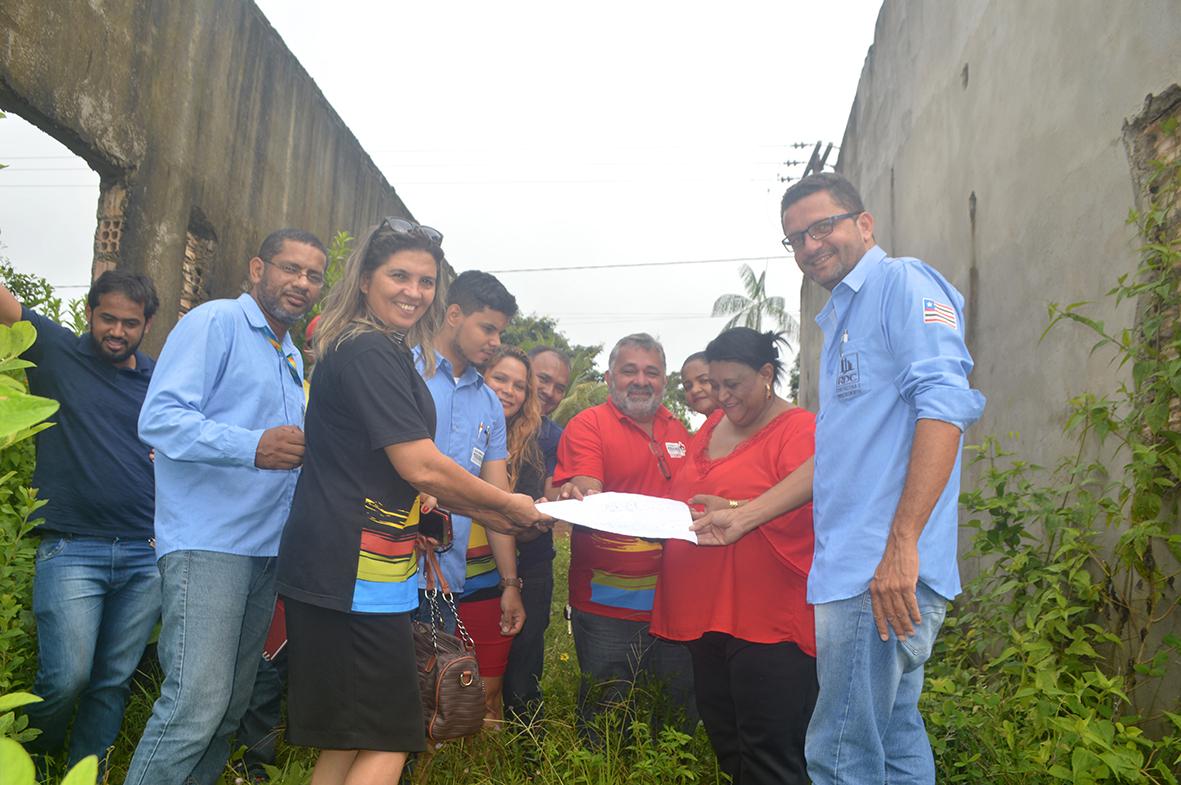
(815, 163)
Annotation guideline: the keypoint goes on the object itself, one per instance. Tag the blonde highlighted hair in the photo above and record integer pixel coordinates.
(346, 312)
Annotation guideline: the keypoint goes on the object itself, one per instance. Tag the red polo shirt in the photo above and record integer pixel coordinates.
(612, 575)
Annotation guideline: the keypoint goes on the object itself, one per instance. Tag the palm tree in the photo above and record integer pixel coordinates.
(748, 310)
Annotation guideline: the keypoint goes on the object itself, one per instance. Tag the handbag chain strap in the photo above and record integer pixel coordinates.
(435, 573)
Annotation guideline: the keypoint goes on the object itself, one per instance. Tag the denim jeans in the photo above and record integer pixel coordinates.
(217, 609)
(615, 656)
(260, 727)
(866, 726)
(96, 600)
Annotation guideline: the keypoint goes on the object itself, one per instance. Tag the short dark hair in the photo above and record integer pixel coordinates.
(841, 190)
(541, 349)
(274, 242)
(696, 356)
(473, 290)
(137, 288)
(749, 347)
(643, 341)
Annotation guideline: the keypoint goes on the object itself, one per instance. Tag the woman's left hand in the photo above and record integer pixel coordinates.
(512, 611)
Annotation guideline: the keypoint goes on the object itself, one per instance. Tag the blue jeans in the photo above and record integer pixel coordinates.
(96, 600)
(217, 609)
(616, 655)
(866, 726)
(260, 727)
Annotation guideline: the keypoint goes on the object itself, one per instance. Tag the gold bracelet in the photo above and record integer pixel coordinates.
(733, 504)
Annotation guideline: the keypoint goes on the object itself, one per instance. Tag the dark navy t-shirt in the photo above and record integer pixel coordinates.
(91, 466)
(538, 553)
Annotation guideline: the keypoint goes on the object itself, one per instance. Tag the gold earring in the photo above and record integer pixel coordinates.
(768, 391)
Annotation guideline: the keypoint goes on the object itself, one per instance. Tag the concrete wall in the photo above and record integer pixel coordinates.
(207, 133)
(986, 138)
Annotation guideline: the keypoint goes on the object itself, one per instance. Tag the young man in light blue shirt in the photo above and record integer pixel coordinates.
(224, 412)
(470, 426)
(894, 402)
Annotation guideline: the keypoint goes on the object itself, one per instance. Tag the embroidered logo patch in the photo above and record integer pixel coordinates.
(849, 377)
(935, 312)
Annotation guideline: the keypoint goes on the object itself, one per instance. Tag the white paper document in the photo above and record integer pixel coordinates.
(632, 514)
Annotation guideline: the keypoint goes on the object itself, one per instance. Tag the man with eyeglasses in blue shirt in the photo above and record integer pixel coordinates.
(894, 402)
(224, 412)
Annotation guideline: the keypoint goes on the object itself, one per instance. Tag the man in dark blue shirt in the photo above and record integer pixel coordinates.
(96, 592)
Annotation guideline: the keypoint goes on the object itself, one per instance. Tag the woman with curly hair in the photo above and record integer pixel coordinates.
(509, 375)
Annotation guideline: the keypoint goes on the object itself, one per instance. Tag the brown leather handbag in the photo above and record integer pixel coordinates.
(448, 677)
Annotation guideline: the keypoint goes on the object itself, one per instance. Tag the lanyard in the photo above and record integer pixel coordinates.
(288, 359)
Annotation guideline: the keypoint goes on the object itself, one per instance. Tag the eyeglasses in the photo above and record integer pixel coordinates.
(655, 450)
(817, 231)
(402, 226)
(295, 271)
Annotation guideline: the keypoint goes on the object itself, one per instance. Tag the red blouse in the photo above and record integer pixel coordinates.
(754, 589)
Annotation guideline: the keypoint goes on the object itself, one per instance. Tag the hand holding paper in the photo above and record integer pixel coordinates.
(630, 514)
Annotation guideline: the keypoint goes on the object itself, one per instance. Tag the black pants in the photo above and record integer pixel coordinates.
(755, 700)
(522, 676)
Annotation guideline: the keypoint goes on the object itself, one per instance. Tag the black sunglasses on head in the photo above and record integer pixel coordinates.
(403, 226)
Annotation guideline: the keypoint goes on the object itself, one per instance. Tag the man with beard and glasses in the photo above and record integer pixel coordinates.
(224, 412)
(630, 444)
(96, 591)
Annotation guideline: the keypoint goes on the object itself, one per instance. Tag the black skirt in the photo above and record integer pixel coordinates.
(353, 684)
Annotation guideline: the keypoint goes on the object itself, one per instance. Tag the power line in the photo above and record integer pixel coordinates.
(633, 264)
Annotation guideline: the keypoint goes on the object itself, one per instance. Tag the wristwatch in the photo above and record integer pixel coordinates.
(517, 582)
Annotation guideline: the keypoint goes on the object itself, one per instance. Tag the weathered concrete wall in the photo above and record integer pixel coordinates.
(986, 138)
(207, 133)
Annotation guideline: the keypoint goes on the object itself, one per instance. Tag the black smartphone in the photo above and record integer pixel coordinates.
(436, 524)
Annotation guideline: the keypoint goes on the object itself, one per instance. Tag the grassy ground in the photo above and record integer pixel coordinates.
(545, 751)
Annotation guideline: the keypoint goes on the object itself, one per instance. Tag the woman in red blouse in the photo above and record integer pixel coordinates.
(740, 607)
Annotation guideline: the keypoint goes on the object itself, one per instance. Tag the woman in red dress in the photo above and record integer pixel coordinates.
(740, 606)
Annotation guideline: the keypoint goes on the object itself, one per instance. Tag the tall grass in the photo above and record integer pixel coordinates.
(546, 750)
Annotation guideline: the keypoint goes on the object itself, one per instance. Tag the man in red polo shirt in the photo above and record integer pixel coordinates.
(630, 444)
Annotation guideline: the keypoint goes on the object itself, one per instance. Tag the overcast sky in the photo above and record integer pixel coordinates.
(547, 135)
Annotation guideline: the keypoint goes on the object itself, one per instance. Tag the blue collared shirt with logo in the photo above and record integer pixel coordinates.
(470, 430)
(893, 354)
(218, 384)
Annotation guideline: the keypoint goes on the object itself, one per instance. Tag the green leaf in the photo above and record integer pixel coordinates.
(15, 339)
(19, 411)
(85, 772)
(13, 700)
(15, 365)
(16, 764)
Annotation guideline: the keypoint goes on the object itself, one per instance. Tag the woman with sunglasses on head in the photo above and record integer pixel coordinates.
(346, 561)
(699, 392)
(748, 627)
(509, 374)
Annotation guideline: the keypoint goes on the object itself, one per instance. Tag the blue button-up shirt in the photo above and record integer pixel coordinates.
(469, 429)
(893, 354)
(219, 383)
